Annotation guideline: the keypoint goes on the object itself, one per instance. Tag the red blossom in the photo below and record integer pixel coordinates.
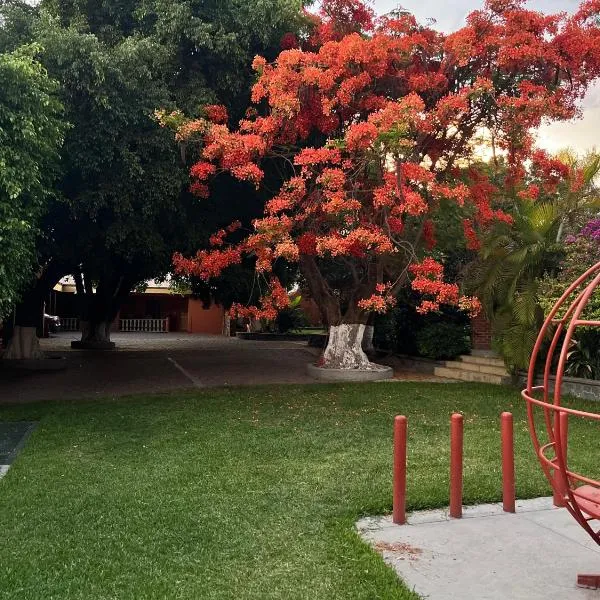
(360, 136)
(288, 41)
(471, 237)
(216, 113)
(202, 170)
(429, 234)
(307, 244)
(398, 108)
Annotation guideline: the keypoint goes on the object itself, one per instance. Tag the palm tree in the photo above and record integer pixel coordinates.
(512, 260)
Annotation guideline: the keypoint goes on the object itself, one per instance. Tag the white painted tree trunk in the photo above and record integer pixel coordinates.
(344, 349)
(255, 326)
(367, 341)
(226, 325)
(98, 332)
(24, 344)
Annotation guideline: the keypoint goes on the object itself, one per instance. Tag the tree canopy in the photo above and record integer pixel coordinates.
(31, 134)
(379, 127)
(124, 207)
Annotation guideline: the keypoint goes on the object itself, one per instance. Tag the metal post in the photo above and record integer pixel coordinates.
(561, 418)
(456, 465)
(508, 462)
(399, 500)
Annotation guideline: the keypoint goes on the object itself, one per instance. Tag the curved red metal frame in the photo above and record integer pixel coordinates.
(580, 494)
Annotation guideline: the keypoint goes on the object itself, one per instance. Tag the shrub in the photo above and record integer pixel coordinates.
(443, 340)
(583, 359)
(291, 318)
(397, 330)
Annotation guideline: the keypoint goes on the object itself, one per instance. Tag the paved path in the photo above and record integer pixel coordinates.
(534, 554)
(150, 363)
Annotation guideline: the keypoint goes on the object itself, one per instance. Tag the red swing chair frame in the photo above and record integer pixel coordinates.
(578, 493)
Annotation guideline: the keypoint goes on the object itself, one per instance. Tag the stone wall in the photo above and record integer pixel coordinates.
(586, 389)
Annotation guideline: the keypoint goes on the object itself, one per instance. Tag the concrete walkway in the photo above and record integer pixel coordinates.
(534, 554)
(163, 362)
(155, 363)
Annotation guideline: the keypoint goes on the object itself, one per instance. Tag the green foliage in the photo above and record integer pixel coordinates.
(31, 133)
(443, 340)
(577, 201)
(583, 358)
(398, 330)
(209, 45)
(506, 275)
(291, 318)
(581, 253)
(124, 208)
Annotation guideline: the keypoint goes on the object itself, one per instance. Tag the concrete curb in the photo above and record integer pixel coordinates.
(79, 345)
(356, 375)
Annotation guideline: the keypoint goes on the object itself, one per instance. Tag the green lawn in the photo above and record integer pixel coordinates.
(236, 493)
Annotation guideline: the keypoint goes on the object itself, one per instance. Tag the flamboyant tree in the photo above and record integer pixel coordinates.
(378, 128)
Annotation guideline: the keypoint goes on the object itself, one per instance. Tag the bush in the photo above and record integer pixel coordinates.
(443, 340)
(397, 330)
(583, 359)
(291, 318)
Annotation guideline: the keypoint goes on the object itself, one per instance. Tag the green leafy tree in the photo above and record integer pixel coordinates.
(582, 251)
(125, 208)
(581, 195)
(31, 133)
(506, 277)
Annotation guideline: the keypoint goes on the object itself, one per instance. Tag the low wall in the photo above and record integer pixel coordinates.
(586, 389)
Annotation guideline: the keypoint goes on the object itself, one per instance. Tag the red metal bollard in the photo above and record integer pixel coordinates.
(399, 512)
(456, 465)
(563, 417)
(508, 462)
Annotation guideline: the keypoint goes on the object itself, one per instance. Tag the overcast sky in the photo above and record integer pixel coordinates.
(450, 14)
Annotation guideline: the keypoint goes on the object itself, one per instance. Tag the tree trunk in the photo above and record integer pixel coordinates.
(95, 332)
(99, 309)
(327, 302)
(344, 348)
(367, 342)
(24, 344)
(29, 318)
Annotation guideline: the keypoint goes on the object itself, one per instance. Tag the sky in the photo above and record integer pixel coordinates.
(581, 134)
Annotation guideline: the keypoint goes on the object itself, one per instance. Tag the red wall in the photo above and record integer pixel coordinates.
(204, 320)
(481, 332)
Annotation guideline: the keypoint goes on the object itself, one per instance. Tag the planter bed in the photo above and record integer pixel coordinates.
(314, 339)
(586, 389)
(272, 337)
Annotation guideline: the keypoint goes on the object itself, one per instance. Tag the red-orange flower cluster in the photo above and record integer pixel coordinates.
(398, 107)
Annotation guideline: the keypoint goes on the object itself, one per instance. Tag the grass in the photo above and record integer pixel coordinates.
(237, 493)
